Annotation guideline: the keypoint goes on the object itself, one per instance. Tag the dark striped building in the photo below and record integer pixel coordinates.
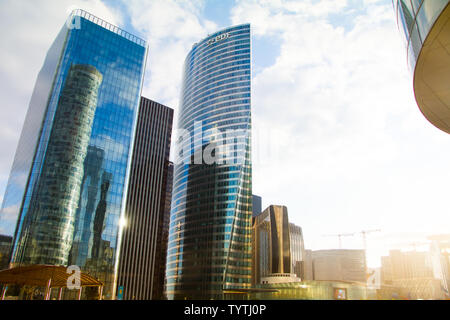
(144, 241)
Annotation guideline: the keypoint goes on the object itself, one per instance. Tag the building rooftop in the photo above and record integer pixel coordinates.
(104, 24)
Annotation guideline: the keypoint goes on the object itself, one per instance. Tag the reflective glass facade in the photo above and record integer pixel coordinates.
(415, 18)
(277, 244)
(425, 25)
(209, 247)
(66, 190)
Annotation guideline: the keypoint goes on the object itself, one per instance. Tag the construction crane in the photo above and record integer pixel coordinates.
(364, 234)
(340, 237)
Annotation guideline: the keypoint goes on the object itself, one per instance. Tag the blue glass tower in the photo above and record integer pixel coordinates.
(209, 249)
(65, 195)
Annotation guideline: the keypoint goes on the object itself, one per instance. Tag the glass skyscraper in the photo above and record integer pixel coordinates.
(66, 192)
(209, 247)
(426, 29)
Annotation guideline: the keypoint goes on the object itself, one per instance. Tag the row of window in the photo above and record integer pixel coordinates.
(232, 53)
(208, 75)
(224, 50)
(416, 18)
(203, 49)
(218, 80)
(213, 98)
(244, 123)
(215, 90)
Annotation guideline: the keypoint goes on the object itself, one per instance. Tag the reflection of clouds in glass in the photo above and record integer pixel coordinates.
(17, 181)
(20, 179)
(110, 146)
(9, 213)
(121, 75)
(128, 93)
(8, 220)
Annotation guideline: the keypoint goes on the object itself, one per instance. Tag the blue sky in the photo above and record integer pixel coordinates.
(338, 137)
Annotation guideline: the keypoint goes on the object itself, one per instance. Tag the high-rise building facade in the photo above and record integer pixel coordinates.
(405, 265)
(144, 240)
(256, 205)
(209, 248)
(412, 273)
(308, 269)
(68, 182)
(278, 249)
(426, 27)
(297, 250)
(339, 265)
(271, 243)
(164, 240)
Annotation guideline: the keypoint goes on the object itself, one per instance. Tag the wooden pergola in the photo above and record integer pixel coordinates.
(46, 276)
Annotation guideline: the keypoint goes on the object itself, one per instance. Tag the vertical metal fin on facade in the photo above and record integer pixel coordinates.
(144, 236)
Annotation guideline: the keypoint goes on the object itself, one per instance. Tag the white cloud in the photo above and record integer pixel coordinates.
(338, 104)
(171, 28)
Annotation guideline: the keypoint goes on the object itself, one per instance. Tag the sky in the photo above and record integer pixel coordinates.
(337, 135)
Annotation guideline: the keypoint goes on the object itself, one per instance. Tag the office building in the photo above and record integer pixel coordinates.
(163, 244)
(297, 250)
(412, 273)
(426, 29)
(405, 265)
(256, 205)
(144, 239)
(339, 265)
(271, 243)
(278, 249)
(68, 182)
(209, 248)
(308, 265)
